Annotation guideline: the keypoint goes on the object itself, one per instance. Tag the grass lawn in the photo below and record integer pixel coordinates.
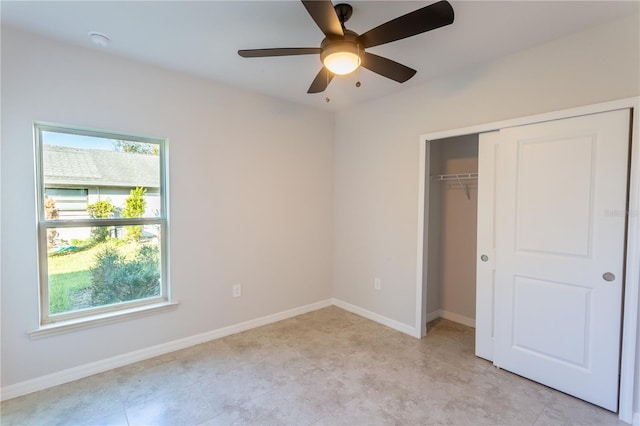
(69, 276)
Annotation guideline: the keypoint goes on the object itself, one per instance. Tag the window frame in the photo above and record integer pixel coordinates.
(44, 224)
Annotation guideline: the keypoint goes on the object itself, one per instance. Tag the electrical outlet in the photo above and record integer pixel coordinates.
(236, 290)
(377, 284)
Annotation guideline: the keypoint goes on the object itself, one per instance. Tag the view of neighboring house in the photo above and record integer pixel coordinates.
(75, 178)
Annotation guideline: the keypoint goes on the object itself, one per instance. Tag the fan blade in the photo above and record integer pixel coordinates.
(387, 68)
(321, 81)
(428, 18)
(286, 51)
(325, 17)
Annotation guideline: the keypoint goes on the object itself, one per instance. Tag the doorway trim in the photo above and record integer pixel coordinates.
(629, 357)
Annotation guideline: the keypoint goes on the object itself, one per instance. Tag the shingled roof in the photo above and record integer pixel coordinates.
(64, 166)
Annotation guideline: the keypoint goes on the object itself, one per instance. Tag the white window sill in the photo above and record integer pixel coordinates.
(99, 319)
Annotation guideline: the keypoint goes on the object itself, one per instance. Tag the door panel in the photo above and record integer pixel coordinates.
(552, 200)
(486, 243)
(571, 335)
(557, 320)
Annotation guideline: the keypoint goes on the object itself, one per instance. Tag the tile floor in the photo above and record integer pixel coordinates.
(327, 367)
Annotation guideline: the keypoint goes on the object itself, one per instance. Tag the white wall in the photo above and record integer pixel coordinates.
(377, 148)
(251, 182)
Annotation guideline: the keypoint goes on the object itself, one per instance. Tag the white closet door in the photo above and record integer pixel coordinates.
(560, 203)
(486, 244)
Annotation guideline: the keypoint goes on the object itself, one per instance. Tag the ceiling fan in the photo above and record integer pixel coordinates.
(342, 51)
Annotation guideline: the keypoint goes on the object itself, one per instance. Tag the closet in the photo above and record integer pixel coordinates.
(452, 224)
(525, 236)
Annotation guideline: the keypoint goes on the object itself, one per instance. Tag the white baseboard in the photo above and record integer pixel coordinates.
(396, 325)
(460, 319)
(75, 373)
(434, 315)
(470, 322)
(86, 370)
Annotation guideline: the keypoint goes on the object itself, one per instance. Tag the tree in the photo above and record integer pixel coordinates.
(136, 147)
(101, 209)
(51, 212)
(134, 206)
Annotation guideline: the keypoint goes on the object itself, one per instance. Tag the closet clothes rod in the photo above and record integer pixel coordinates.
(455, 176)
(459, 177)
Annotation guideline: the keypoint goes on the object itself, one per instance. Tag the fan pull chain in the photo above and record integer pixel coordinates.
(358, 84)
(327, 99)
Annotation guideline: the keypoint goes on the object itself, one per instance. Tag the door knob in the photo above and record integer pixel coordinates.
(608, 276)
(484, 257)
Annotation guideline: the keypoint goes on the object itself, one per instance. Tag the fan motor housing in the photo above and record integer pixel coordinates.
(348, 43)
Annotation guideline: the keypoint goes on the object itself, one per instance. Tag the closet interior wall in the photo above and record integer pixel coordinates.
(452, 226)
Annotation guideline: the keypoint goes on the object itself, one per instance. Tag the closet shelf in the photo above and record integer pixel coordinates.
(460, 178)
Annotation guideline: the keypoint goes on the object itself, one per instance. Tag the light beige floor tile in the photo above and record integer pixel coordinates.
(330, 320)
(409, 405)
(185, 406)
(92, 400)
(255, 345)
(359, 411)
(141, 382)
(327, 367)
(301, 403)
(68, 411)
(514, 386)
(273, 408)
(204, 361)
(474, 410)
(452, 331)
(284, 366)
(234, 388)
(19, 411)
(566, 410)
(457, 355)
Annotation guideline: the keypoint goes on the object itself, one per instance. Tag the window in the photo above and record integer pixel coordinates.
(102, 222)
(70, 202)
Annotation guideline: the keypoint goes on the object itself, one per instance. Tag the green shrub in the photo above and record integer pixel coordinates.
(115, 279)
(135, 205)
(101, 209)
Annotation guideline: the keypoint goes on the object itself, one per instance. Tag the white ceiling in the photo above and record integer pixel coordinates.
(202, 37)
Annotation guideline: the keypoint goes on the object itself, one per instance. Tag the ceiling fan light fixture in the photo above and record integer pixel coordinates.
(341, 57)
(342, 51)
